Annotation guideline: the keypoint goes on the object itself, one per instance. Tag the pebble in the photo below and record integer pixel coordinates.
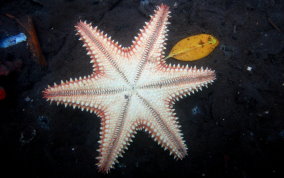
(195, 110)
(28, 99)
(249, 68)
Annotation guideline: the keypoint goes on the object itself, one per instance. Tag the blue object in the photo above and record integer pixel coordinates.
(195, 110)
(13, 40)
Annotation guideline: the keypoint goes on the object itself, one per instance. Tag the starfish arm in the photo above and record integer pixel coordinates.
(177, 81)
(160, 122)
(117, 130)
(104, 52)
(135, 113)
(149, 44)
(85, 93)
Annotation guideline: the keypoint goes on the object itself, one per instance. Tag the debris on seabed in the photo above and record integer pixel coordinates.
(28, 99)
(32, 38)
(195, 110)
(249, 68)
(175, 5)
(228, 51)
(274, 25)
(13, 40)
(263, 113)
(2, 93)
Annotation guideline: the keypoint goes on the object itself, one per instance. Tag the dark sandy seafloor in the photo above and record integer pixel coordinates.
(233, 129)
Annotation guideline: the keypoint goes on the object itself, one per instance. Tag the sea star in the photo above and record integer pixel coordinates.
(131, 89)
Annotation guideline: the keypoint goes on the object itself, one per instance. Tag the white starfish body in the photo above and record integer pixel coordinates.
(131, 88)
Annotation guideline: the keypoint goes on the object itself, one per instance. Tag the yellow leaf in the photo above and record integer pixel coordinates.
(194, 47)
